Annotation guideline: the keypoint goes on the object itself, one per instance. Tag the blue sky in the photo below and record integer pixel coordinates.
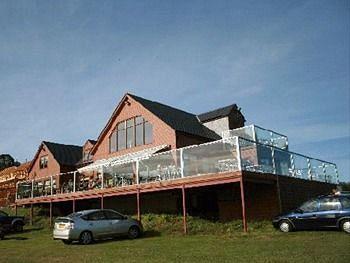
(64, 65)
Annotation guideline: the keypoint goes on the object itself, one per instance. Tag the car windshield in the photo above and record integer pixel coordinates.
(2, 213)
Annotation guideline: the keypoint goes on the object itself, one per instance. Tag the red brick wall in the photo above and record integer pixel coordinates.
(162, 133)
(53, 167)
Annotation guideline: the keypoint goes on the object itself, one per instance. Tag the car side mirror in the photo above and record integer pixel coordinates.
(298, 210)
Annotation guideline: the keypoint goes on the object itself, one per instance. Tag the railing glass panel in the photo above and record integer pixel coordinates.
(216, 157)
(119, 175)
(164, 166)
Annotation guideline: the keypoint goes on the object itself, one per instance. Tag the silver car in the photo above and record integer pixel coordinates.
(89, 225)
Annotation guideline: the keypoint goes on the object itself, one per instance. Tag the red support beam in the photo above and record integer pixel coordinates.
(73, 205)
(16, 210)
(138, 204)
(31, 215)
(50, 214)
(102, 204)
(184, 208)
(244, 218)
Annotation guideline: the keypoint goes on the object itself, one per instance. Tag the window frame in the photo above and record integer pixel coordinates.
(123, 126)
(41, 166)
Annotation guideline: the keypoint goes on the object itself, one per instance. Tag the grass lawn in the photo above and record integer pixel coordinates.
(257, 246)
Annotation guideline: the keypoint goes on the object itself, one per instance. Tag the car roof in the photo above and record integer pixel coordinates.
(88, 211)
(335, 195)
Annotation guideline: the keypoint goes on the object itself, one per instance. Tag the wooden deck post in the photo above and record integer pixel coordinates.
(138, 204)
(102, 204)
(31, 215)
(50, 213)
(244, 219)
(184, 208)
(73, 203)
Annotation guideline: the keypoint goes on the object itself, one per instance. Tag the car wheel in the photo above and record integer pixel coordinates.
(345, 226)
(134, 232)
(285, 226)
(86, 238)
(67, 241)
(18, 227)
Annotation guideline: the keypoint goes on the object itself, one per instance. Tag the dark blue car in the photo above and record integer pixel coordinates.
(324, 212)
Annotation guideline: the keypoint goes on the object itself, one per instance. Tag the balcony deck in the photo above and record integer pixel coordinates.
(224, 161)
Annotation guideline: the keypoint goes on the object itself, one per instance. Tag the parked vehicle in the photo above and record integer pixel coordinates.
(2, 232)
(324, 212)
(89, 225)
(11, 223)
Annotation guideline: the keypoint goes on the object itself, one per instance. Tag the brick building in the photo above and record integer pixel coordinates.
(151, 157)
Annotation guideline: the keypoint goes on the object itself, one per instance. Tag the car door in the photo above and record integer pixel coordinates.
(328, 213)
(118, 223)
(98, 224)
(307, 218)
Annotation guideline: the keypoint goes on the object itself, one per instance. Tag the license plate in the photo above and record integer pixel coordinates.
(61, 226)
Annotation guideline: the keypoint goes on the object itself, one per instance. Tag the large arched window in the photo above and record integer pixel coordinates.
(130, 133)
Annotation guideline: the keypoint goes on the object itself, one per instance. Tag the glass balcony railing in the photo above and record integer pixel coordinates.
(229, 154)
(260, 135)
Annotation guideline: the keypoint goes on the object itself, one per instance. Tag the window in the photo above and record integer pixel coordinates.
(130, 133)
(113, 142)
(345, 202)
(111, 215)
(148, 133)
(2, 213)
(329, 203)
(309, 206)
(43, 162)
(130, 126)
(99, 215)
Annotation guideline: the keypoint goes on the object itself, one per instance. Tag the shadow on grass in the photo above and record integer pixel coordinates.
(15, 238)
(146, 234)
(27, 230)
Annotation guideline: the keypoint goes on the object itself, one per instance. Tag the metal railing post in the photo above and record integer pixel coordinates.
(182, 163)
(32, 188)
(74, 181)
(336, 174)
(102, 178)
(324, 172)
(238, 150)
(137, 172)
(309, 169)
(292, 165)
(51, 184)
(273, 160)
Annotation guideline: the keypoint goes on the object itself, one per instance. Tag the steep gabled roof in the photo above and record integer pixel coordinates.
(177, 119)
(218, 113)
(65, 154)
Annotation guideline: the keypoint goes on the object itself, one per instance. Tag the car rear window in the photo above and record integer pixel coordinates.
(345, 202)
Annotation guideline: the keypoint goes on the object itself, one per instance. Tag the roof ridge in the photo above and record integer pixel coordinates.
(221, 108)
(62, 144)
(162, 104)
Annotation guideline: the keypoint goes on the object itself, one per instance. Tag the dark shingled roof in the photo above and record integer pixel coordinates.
(218, 113)
(177, 119)
(65, 154)
(92, 141)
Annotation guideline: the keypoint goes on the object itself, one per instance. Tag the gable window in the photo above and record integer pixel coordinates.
(43, 162)
(130, 133)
